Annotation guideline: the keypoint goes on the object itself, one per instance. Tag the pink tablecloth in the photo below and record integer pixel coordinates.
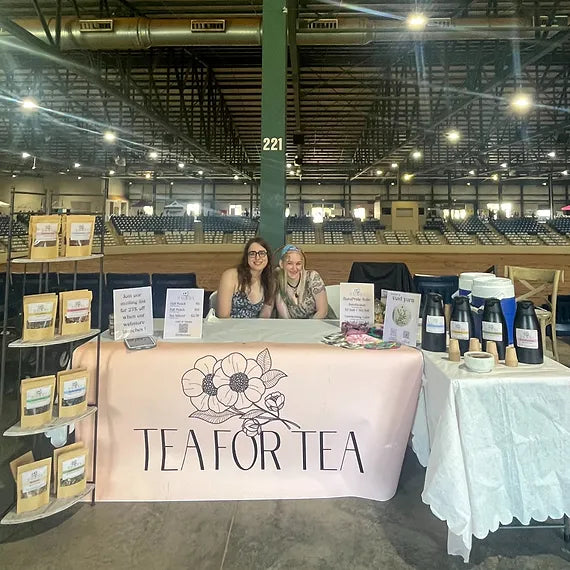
(227, 421)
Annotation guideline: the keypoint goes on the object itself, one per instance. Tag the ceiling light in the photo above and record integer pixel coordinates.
(564, 173)
(394, 165)
(25, 155)
(79, 178)
(76, 165)
(552, 154)
(153, 154)
(147, 175)
(111, 172)
(29, 104)
(544, 183)
(453, 135)
(245, 183)
(288, 165)
(495, 177)
(416, 154)
(109, 136)
(392, 184)
(407, 177)
(472, 172)
(200, 172)
(379, 172)
(416, 21)
(318, 183)
(292, 172)
(504, 165)
(236, 177)
(181, 165)
(521, 102)
(13, 175)
(468, 183)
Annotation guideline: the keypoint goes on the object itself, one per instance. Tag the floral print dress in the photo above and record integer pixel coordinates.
(314, 284)
(243, 308)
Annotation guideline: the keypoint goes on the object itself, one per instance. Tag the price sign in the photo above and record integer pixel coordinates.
(132, 311)
(183, 314)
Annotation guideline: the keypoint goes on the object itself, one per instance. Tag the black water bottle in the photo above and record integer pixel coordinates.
(461, 325)
(528, 338)
(433, 324)
(494, 326)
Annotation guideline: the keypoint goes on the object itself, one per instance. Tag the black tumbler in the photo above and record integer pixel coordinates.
(433, 324)
(494, 326)
(528, 338)
(461, 326)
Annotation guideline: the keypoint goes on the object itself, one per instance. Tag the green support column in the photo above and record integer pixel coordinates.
(273, 122)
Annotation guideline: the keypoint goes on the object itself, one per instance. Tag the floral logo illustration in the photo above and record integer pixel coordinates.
(236, 387)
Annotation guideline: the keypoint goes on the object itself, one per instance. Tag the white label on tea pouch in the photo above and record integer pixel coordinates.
(46, 231)
(527, 338)
(80, 231)
(73, 468)
(73, 389)
(39, 308)
(492, 331)
(77, 308)
(38, 397)
(34, 479)
(435, 324)
(459, 330)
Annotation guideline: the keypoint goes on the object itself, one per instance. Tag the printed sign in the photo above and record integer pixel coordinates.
(183, 314)
(132, 312)
(402, 315)
(357, 303)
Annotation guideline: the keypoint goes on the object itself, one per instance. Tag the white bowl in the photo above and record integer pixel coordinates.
(479, 361)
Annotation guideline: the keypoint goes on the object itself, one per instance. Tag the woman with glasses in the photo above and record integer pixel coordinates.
(301, 293)
(247, 291)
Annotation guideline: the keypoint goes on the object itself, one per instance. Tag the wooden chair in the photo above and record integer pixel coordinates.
(541, 285)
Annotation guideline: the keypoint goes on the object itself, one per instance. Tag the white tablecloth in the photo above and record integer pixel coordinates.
(496, 446)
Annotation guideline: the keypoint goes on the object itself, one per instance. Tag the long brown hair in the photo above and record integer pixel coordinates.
(267, 277)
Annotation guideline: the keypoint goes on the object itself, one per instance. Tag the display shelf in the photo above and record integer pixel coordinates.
(56, 422)
(54, 506)
(58, 339)
(56, 259)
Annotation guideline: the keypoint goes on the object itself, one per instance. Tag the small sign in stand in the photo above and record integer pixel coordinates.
(357, 303)
(132, 312)
(401, 320)
(183, 314)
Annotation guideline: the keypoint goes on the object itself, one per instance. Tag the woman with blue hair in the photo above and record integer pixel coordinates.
(301, 293)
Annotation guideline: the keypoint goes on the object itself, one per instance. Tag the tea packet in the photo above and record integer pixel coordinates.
(36, 401)
(32, 485)
(78, 232)
(71, 473)
(44, 237)
(57, 452)
(39, 317)
(75, 312)
(28, 457)
(72, 389)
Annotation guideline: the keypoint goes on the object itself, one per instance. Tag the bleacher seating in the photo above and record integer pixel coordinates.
(18, 229)
(372, 226)
(515, 226)
(342, 225)
(457, 238)
(302, 224)
(428, 238)
(561, 225)
(228, 224)
(397, 238)
(472, 225)
(151, 224)
(435, 224)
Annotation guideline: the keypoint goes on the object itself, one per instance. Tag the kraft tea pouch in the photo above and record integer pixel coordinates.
(28, 457)
(78, 231)
(71, 473)
(32, 485)
(57, 452)
(36, 401)
(39, 317)
(44, 237)
(72, 389)
(75, 312)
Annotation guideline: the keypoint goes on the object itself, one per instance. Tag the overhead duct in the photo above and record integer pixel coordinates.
(144, 33)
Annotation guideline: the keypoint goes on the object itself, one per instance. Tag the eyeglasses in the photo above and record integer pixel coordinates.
(262, 254)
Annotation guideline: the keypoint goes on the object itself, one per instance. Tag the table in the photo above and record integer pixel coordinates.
(496, 446)
(291, 418)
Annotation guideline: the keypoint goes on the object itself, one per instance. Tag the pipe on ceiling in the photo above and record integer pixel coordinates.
(144, 33)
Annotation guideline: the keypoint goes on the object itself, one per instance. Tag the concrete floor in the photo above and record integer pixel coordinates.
(311, 534)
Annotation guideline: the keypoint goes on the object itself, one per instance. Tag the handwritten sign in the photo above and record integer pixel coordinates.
(183, 314)
(357, 303)
(401, 320)
(132, 311)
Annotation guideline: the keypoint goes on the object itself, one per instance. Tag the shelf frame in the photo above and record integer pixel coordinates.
(56, 422)
(58, 339)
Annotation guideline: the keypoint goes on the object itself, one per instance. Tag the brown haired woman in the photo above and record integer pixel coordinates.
(247, 291)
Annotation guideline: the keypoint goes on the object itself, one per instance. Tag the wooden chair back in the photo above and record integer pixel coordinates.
(538, 284)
